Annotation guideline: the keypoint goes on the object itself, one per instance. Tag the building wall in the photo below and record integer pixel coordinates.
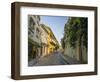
(44, 37)
(50, 38)
(69, 51)
(51, 43)
(74, 52)
(34, 38)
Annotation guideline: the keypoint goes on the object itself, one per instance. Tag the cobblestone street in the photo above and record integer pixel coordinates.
(56, 58)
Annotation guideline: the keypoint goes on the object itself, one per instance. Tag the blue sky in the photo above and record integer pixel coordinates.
(56, 23)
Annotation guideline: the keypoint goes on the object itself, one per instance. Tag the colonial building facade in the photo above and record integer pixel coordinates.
(52, 43)
(41, 40)
(34, 38)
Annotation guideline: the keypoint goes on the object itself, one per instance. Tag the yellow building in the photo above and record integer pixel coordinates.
(52, 42)
(41, 40)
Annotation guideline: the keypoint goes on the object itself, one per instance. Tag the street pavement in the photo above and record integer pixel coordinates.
(56, 58)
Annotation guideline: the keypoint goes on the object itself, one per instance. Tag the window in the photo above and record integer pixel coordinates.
(31, 22)
(37, 30)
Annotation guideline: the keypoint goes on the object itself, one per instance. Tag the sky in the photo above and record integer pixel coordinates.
(56, 23)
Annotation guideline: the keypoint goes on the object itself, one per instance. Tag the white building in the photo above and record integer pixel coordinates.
(34, 36)
(44, 40)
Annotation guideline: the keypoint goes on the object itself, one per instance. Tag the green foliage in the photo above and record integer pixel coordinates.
(75, 30)
(63, 43)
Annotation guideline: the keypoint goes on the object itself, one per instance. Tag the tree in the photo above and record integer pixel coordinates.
(63, 43)
(76, 31)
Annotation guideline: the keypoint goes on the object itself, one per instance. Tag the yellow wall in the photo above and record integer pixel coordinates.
(50, 46)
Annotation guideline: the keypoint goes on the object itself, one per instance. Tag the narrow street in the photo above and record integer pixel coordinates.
(48, 45)
(55, 58)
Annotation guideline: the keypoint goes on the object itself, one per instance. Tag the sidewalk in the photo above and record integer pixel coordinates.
(70, 60)
(33, 61)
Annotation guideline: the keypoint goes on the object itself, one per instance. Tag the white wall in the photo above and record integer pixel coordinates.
(5, 40)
